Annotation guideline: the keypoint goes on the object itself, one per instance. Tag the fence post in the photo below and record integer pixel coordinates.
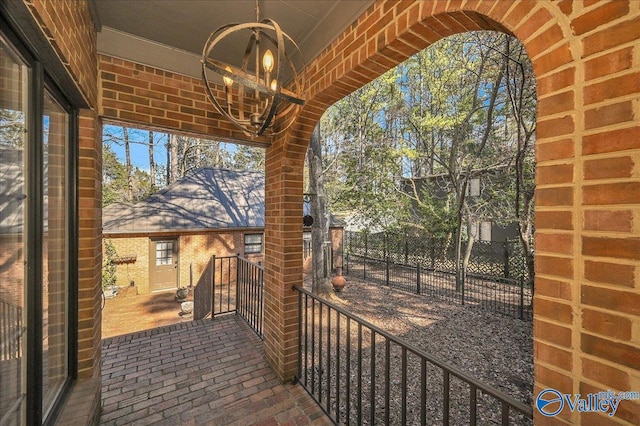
(418, 273)
(384, 245)
(346, 264)
(364, 268)
(432, 253)
(506, 258)
(406, 249)
(366, 245)
(213, 285)
(521, 298)
(387, 269)
(331, 260)
(327, 259)
(364, 260)
(239, 271)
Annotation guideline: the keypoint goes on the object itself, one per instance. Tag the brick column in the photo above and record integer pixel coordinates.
(283, 254)
(89, 245)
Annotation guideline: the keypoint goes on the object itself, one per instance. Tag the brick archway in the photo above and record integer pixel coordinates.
(586, 321)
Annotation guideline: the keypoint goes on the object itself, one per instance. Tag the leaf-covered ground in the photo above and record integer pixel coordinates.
(492, 348)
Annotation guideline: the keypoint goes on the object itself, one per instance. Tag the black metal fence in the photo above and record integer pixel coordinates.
(203, 292)
(250, 290)
(490, 258)
(360, 374)
(496, 294)
(10, 331)
(225, 285)
(231, 284)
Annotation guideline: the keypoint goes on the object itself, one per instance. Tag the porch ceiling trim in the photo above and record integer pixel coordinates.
(144, 38)
(118, 44)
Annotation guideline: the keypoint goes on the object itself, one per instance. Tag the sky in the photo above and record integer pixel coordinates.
(139, 146)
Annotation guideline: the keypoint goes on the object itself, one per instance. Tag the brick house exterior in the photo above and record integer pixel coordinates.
(586, 57)
(211, 211)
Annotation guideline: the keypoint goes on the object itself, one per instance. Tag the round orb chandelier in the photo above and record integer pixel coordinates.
(265, 92)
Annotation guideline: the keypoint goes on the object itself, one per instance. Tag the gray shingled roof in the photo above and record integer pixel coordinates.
(207, 198)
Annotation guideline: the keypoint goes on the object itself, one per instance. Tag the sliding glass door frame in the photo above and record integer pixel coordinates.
(71, 176)
(39, 82)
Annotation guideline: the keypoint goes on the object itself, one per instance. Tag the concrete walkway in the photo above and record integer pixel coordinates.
(198, 373)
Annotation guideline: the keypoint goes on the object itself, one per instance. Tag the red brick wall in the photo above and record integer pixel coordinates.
(337, 245)
(154, 98)
(195, 250)
(586, 59)
(138, 270)
(89, 245)
(69, 27)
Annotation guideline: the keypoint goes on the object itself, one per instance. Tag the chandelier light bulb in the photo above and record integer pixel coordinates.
(267, 61)
(274, 84)
(227, 80)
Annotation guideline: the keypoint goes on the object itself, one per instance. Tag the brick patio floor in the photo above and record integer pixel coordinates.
(198, 373)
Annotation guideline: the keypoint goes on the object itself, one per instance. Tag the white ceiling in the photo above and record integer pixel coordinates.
(170, 34)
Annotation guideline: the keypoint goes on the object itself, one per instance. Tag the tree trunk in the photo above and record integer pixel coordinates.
(461, 212)
(184, 162)
(321, 275)
(472, 236)
(528, 254)
(129, 168)
(524, 201)
(152, 163)
(168, 167)
(460, 273)
(174, 159)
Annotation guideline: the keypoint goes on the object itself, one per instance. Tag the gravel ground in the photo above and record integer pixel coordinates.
(494, 349)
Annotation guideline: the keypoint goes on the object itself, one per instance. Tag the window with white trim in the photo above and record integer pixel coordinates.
(473, 187)
(252, 243)
(485, 231)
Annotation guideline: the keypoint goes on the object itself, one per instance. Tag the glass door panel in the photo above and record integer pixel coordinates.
(14, 80)
(54, 251)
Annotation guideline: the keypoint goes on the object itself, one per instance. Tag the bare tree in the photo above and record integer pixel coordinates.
(471, 118)
(12, 128)
(320, 229)
(172, 158)
(521, 91)
(128, 166)
(152, 163)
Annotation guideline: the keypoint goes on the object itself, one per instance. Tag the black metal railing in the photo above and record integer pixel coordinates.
(360, 374)
(250, 290)
(231, 284)
(10, 331)
(496, 294)
(496, 258)
(203, 292)
(225, 285)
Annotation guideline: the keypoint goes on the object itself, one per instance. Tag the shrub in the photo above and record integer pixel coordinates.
(109, 269)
